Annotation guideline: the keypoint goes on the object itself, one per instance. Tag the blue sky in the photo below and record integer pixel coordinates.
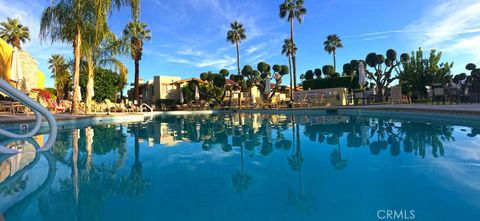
(189, 35)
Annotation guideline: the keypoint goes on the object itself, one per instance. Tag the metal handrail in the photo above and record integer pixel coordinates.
(39, 111)
(146, 105)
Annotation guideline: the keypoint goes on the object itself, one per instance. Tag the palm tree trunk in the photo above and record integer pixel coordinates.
(137, 145)
(59, 94)
(293, 57)
(238, 57)
(90, 82)
(76, 188)
(16, 43)
(290, 70)
(238, 68)
(137, 79)
(241, 158)
(76, 71)
(334, 61)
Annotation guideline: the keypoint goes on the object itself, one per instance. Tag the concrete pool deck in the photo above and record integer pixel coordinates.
(22, 118)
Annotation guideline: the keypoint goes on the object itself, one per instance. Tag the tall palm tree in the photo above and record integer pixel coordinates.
(64, 21)
(331, 44)
(60, 73)
(136, 32)
(100, 45)
(101, 52)
(288, 49)
(236, 35)
(14, 33)
(293, 9)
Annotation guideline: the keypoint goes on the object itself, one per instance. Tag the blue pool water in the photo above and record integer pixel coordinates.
(250, 167)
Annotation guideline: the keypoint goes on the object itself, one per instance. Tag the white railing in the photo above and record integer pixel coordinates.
(147, 106)
(39, 111)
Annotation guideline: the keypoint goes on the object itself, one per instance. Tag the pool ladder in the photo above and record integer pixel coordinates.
(147, 106)
(39, 111)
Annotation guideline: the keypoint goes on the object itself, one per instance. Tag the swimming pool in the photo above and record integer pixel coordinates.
(241, 166)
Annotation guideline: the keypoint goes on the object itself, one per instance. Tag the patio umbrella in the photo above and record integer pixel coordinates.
(182, 100)
(364, 134)
(267, 85)
(79, 95)
(197, 129)
(197, 94)
(361, 73)
(16, 74)
(89, 147)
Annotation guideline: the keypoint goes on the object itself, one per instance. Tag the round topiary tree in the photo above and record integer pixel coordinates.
(309, 75)
(383, 77)
(247, 70)
(348, 69)
(284, 70)
(224, 72)
(328, 70)
(471, 66)
(263, 67)
(277, 68)
(204, 76)
(318, 73)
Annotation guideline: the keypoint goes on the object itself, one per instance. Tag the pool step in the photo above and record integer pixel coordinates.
(331, 111)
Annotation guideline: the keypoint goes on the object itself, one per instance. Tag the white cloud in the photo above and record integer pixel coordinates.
(255, 48)
(218, 63)
(452, 26)
(213, 62)
(189, 51)
(375, 38)
(379, 33)
(179, 60)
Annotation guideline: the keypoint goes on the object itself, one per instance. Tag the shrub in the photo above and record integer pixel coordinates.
(346, 82)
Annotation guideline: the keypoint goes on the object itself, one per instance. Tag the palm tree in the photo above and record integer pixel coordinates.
(64, 21)
(331, 44)
(14, 33)
(101, 52)
(236, 35)
(60, 73)
(136, 32)
(288, 49)
(100, 44)
(293, 9)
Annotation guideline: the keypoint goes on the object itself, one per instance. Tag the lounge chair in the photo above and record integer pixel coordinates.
(259, 103)
(319, 100)
(273, 102)
(301, 101)
(438, 92)
(132, 107)
(396, 94)
(6, 106)
(51, 105)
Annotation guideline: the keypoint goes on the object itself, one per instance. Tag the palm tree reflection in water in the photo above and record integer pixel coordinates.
(135, 184)
(303, 201)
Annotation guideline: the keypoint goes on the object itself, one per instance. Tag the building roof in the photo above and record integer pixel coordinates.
(188, 80)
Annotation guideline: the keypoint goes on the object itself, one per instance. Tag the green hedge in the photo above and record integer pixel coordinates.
(347, 82)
